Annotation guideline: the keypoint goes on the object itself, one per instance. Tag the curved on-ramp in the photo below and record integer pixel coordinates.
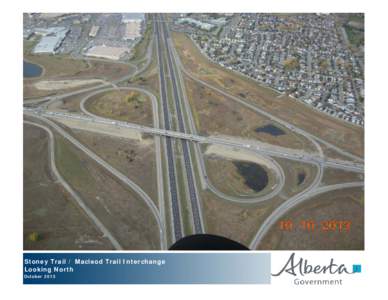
(73, 193)
(114, 172)
(200, 160)
(312, 138)
(158, 152)
(292, 202)
(252, 198)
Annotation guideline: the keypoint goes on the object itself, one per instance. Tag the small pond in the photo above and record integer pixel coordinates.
(270, 129)
(31, 70)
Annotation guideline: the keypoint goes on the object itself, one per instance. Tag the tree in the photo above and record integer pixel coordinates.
(34, 236)
(291, 63)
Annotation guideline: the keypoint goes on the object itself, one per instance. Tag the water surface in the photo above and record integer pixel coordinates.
(270, 129)
(31, 70)
(255, 176)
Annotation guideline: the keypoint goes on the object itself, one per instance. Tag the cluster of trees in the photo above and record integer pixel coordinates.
(291, 63)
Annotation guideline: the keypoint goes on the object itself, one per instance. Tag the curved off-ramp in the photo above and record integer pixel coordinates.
(158, 152)
(312, 138)
(70, 190)
(251, 199)
(50, 99)
(200, 160)
(291, 203)
(143, 195)
(159, 217)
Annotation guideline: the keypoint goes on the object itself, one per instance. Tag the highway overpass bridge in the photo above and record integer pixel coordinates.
(264, 149)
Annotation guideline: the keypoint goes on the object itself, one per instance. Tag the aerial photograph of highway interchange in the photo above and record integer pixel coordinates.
(142, 129)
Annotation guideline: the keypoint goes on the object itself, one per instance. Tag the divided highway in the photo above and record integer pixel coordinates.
(170, 71)
(193, 193)
(175, 206)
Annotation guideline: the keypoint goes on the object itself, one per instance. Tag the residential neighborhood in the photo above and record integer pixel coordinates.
(308, 56)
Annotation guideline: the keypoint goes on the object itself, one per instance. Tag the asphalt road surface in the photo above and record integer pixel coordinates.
(143, 195)
(192, 189)
(170, 71)
(173, 189)
(263, 149)
(73, 193)
(291, 203)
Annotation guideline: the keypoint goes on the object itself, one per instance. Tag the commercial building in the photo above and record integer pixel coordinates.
(133, 25)
(93, 31)
(132, 30)
(132, 17)
(196, 23)
(114, 53)
(51, 39)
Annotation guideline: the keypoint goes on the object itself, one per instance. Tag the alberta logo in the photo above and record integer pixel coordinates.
(301, 267)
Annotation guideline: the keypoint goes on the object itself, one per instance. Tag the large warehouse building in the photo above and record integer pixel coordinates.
(114, 53)
(132, 17)
(93, 31)
(132, 30)
(51, 39)
(133, 25)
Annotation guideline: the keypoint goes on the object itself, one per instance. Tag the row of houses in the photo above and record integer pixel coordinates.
(302, 55)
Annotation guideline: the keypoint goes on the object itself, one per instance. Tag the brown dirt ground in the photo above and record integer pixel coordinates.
(30, 92)
(216, 114)
(64, 67)
(332, 153)
(334, 176)
(238, 222)
(119, 209)
(136, 160)
(342, 205)
(48, 209)
(118, 105)
(331, 129)
(291, 170)
(69, 104)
